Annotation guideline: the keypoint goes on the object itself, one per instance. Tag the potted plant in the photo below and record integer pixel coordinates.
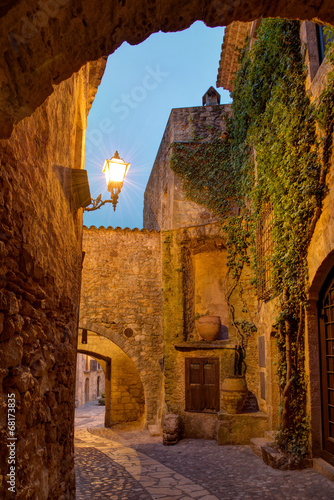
(234, 387)
(102, 399)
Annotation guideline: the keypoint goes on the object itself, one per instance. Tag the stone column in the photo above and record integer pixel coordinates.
(107, 417)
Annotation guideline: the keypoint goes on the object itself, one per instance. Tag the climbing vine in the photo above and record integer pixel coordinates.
(270, 154)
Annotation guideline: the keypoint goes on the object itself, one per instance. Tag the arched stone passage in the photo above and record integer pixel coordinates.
(130, 391)
(129, 315)
(106, 365)
(43, 43)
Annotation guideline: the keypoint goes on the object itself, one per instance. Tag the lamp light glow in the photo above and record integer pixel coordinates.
(115, 171)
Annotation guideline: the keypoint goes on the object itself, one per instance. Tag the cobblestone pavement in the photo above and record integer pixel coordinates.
(126, 463)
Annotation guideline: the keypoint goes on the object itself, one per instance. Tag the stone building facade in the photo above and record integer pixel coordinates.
(320, 258)
(89, 380)
(121, 309)
(41, 255)
(167, 274)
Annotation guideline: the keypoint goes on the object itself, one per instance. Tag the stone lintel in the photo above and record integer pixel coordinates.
(204, 345)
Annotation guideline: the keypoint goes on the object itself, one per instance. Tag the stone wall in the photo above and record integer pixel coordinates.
(320, 262)
(181, 291)
(44, 42)
(121, 300)
(165, 205)
(40, 250)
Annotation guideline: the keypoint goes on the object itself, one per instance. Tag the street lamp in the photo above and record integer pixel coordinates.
(115, 171)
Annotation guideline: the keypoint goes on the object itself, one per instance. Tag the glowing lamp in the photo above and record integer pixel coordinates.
(115, 171)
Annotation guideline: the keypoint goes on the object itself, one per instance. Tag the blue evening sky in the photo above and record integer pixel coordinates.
(139, 88)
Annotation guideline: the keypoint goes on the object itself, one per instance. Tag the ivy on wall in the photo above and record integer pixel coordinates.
(271, 154)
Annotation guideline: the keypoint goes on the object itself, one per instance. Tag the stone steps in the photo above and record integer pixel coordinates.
(324, 468)
(261, 447)
(256, 445)
(270, 435)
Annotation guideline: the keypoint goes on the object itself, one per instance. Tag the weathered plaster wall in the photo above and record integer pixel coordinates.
(43, 42)
(179, 327)
(121, 300)
(165, 205)
(40, 247)
(127, 397)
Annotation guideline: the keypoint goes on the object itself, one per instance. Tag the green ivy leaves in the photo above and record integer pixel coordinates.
(272, 116)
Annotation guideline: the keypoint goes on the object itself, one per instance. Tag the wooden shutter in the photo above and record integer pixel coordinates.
(202, 384)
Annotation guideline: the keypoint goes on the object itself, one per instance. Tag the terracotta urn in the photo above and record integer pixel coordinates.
(234, 393)
(209, 327)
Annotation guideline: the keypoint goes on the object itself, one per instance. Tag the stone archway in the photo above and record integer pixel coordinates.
(129, 394)
(106, 365)
(45, 42)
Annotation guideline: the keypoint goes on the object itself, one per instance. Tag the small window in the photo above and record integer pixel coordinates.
(323, 40)
(93, 365)
(202, 384)
(264, 251)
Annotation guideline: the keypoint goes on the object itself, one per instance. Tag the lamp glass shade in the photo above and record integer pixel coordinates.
(115, 169)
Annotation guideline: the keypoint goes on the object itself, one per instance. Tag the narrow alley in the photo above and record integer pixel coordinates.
(123, 463)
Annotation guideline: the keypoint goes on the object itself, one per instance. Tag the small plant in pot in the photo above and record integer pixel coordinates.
(102, 399)
(208, 326)
(234, 387)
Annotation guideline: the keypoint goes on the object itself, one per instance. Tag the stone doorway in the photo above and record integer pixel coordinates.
(124, 390)
(86, 390)
(326, 329)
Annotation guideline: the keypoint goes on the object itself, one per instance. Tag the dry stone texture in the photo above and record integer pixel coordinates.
(44, 42)
(121, 300)
(165, 205)
(41, 255)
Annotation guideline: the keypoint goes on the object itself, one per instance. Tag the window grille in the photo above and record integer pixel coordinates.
(264, 251)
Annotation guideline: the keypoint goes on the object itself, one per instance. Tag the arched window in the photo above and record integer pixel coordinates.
(326, 324)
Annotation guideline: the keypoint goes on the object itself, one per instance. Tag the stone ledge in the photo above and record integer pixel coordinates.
(119, 229)
(324, 468)
(204, 344)
(240, 428)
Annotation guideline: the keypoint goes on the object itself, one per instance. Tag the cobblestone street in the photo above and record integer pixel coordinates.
(122, 463)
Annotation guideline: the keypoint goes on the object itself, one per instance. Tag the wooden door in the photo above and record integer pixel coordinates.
(327, 366)
(202, 384)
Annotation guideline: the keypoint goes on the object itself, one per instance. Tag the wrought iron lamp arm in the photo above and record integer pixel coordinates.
(96, 204)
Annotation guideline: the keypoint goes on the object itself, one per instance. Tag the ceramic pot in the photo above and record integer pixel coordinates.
(234, 393)
(209, 327)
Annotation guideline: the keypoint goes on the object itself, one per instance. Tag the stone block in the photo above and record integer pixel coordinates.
(154, 430)
(278, 460)
(240, 428)
(172, 429)
(324, 468)
(11, 352)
